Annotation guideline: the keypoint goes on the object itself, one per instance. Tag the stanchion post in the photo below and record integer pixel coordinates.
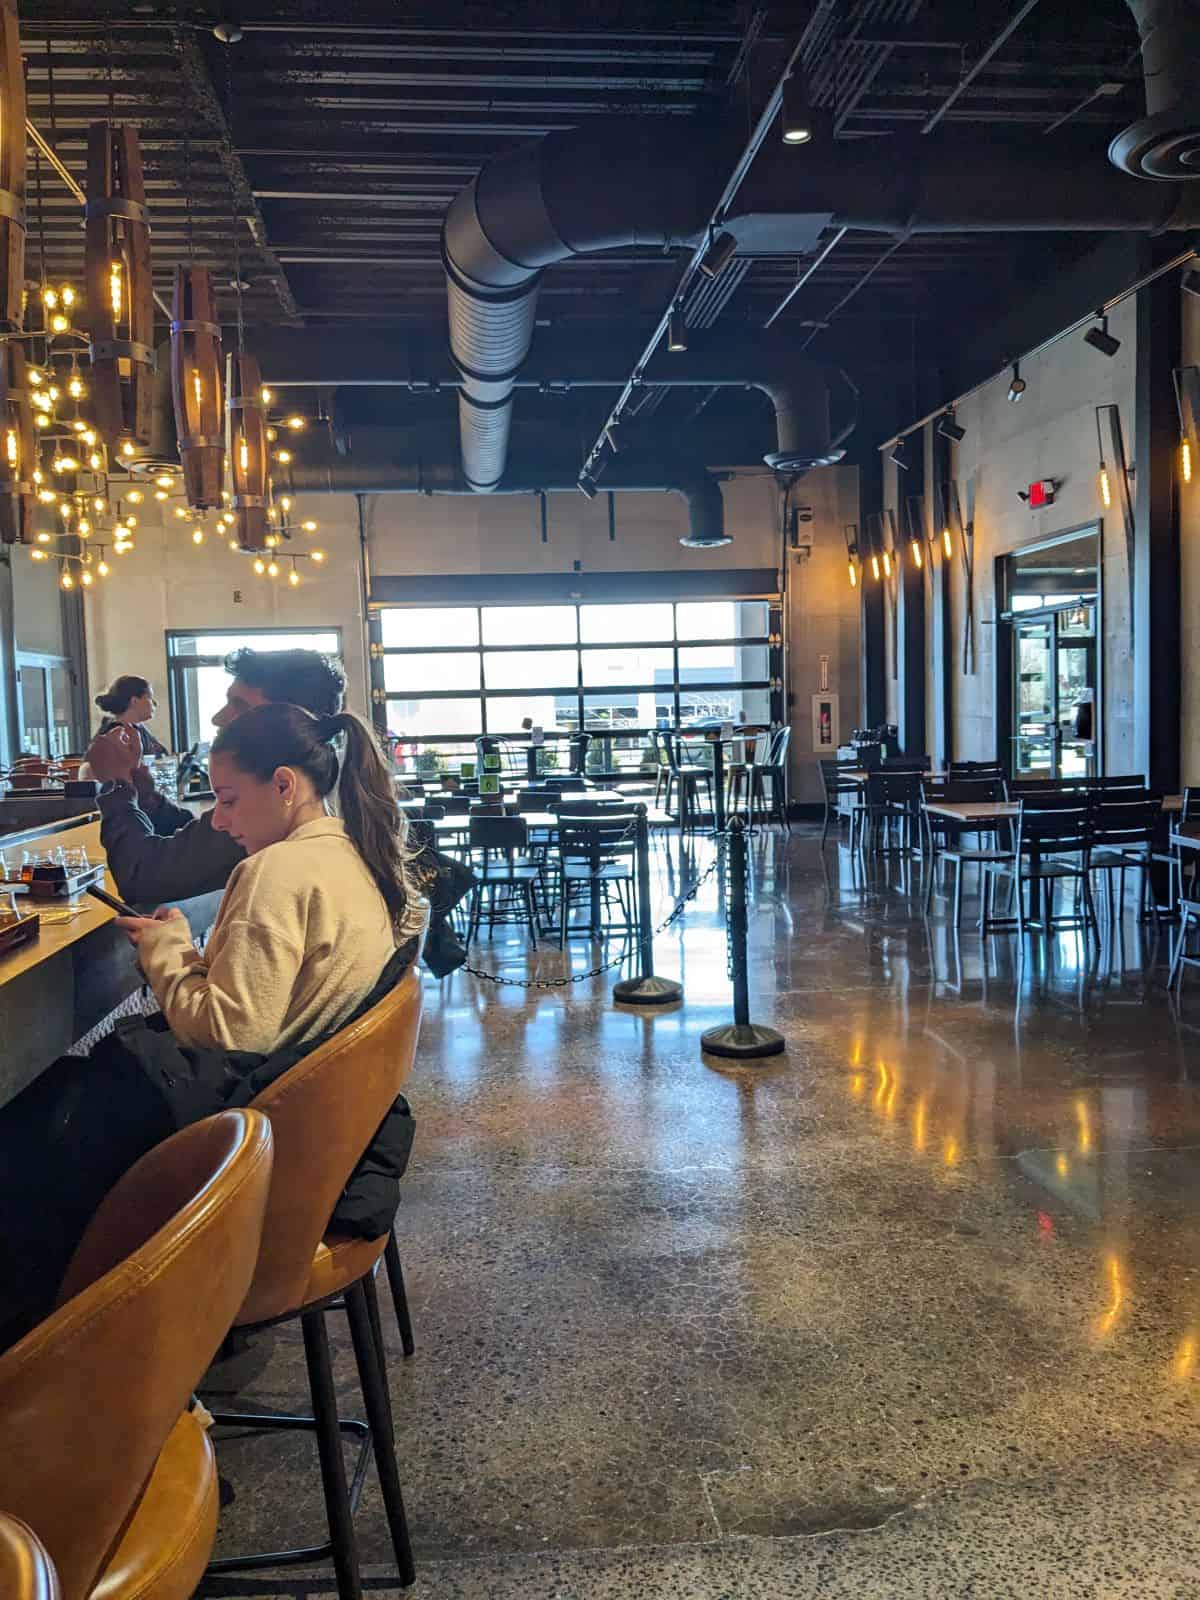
(531, 766)
(646, 989)
(741, 1039)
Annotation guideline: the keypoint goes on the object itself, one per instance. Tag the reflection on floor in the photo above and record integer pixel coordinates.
(913, 1310)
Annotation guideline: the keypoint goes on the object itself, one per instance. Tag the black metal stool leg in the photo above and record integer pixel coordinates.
(372, 1377)
(329, 1446)
(395, 1272)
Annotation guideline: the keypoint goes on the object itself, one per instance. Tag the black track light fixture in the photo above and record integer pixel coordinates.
(897, 455)
(721, 251)
(797, 109)
(677, 333)
(1017, 385)
(950, 429)
(1100, 338)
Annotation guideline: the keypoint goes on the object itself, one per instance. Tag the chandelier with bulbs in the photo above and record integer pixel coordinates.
(81, 448)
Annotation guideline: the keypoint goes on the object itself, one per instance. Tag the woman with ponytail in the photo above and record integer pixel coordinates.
(129, 703)
(315, 925)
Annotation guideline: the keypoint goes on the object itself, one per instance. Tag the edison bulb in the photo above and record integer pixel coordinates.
(60, 324)
(160, 494)
(310, 526)
(37, 555)
(103, 569)
(297, 423)
(293, 578)
(86, 579)
(317, 555)
(197, 535)
(67, 581)
(44, 538)
(127, 447)
(266, 394)
(283, 457)
(272, 569)
(260, 566)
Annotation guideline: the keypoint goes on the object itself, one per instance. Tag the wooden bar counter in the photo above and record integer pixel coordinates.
(60, 985)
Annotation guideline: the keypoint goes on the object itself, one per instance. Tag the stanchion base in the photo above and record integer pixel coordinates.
(742, 1041)
(647, 991)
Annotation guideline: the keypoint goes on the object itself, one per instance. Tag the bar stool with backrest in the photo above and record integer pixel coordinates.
(304, 1270)
(686, 779)
(99, 1449)
(26, 1570)
(772, 770)
(839, 787)
(743, 787)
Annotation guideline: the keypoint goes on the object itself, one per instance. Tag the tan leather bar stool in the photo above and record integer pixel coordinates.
(98, 1448)
(324, 1113)
(26, 1570)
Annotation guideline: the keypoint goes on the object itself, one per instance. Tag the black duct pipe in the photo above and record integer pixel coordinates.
(390, 461)
(630, 183)
(798, 389)
(1165, 143)
(597, 188)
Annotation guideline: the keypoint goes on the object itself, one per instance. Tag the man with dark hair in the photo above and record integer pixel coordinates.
(159, 851)
(300, 677)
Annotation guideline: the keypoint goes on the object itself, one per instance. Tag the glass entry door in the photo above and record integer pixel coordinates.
(1054, 672)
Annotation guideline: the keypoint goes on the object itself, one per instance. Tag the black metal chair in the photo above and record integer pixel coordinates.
(1053, 838)
(597, 853)
(837, 788)
(505, 893)
(772, 770)
(893, 804)
(951, 848)
(968, 770)
(1122, 840)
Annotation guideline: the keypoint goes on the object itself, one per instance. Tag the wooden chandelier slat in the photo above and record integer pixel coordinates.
(12, 170)
(197, 387)
(18, 453)
(247, 450)
(117, 235)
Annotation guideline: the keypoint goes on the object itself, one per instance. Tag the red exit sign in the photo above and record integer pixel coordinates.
(1041, 493)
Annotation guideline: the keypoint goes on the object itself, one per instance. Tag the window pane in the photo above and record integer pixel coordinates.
(34, 734)
(710, 707)
(223, 644)
(599, 624)
(412, 719)
(654, 665)
(417, 674)
(532, 669)
(721, 619)
(737, 662)
(60, 711)
(548, 711)
(413, 758)
(614, 711)
(529, 625)
(403, 628)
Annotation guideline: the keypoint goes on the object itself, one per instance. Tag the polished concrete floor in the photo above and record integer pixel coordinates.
(911, 1310)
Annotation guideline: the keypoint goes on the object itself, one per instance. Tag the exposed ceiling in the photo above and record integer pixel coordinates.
(329, 140)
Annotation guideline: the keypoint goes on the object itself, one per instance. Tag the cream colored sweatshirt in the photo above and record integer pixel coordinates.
(300, 939)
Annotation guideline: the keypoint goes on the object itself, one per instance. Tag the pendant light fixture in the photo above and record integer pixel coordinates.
(18, 459)
(197, 387)
(247, 450)
(120, 290)
(12, 170)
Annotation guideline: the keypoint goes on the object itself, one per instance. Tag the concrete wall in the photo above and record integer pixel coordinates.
(1051, 433)
(166, 583)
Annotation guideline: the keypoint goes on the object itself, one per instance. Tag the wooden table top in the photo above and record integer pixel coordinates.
(54, 936)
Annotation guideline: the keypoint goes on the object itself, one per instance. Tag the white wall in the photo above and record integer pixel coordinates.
(1051, 433)
(168, 584)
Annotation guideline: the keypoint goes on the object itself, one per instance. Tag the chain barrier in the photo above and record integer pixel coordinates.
(672, 917)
